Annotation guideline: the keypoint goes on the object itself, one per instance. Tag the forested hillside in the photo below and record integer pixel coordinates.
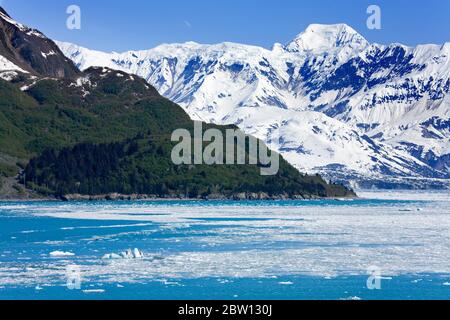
(103, 131)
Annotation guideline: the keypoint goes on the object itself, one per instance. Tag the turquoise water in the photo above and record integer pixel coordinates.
(228, 250)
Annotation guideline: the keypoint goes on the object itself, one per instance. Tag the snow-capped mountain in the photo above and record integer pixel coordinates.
(339, 105)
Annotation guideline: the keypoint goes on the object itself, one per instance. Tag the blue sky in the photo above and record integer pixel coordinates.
(141, 24)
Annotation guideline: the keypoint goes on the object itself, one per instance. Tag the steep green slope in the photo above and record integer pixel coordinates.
(57, 113)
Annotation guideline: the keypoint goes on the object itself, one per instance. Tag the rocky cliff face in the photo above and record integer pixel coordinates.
(28, 50)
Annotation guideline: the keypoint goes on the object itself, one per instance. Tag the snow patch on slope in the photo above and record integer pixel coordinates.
(6, 65)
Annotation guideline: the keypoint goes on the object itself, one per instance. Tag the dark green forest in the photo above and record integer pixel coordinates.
(143, 166)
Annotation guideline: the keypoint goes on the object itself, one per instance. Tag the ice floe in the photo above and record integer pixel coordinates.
(128, 254)
(61, 254)
(355, 298)
(94, 291)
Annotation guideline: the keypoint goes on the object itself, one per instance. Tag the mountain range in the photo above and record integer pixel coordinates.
(329, 101)
(103, 133)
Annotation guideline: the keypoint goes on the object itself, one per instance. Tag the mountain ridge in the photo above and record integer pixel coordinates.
(385, 99)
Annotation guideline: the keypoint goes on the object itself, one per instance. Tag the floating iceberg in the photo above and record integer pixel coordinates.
(94, 291)
(287, 283)
(61, 254)
(355, 298)
(129, 254)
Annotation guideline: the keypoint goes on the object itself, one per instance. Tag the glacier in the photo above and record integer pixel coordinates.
(329, 101)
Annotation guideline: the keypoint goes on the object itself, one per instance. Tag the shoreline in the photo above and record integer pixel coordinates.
(244, 196)
(168, 199)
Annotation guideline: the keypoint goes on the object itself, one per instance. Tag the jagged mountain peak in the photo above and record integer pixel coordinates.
(323, 37)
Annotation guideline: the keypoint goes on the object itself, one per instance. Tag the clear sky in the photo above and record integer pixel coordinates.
(142, 24)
